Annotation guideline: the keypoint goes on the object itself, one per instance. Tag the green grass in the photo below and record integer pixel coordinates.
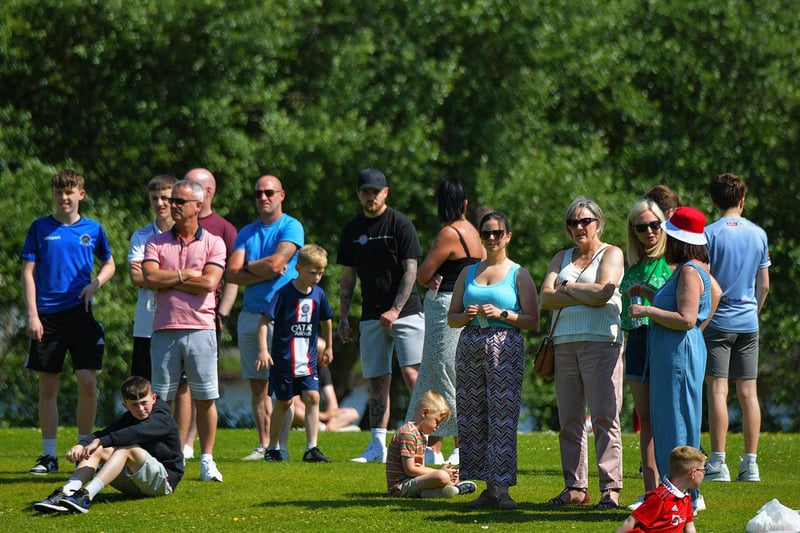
(344, 496)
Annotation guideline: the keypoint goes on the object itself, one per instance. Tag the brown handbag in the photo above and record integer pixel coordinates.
(544, 365)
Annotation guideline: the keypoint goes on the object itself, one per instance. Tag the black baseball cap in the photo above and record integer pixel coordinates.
(371, 178)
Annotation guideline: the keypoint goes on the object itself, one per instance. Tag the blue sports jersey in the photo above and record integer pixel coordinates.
(259, 241)
(64, 257)
(737, 249)
(296, 317)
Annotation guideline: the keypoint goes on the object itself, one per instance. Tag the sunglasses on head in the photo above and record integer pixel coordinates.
(574, 222)
(268, 192)
(642, 228)
(496, 233)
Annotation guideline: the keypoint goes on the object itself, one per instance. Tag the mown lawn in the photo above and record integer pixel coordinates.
(344, 496)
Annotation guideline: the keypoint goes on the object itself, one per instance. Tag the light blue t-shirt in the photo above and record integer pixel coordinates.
(502, 295)
(737, 249)
(259, 241)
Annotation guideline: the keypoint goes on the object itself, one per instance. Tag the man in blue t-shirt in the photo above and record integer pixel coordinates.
(739, 260)
(263, 260)
(57, 263)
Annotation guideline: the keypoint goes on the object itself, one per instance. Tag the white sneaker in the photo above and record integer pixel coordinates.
(454, 459)
(209, 471)
(748, 472)
(639, 501)
(701, 504)
(256, 455)
(717, 472)
(188, 452)
(433, 457)
(372, 454)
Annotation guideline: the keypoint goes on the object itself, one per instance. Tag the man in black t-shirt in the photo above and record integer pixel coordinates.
(381, 248)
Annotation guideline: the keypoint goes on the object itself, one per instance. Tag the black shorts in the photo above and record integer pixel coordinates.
(140, 358)
(74, 330)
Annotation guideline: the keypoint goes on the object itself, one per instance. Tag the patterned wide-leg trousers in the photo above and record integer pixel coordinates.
(489, 371)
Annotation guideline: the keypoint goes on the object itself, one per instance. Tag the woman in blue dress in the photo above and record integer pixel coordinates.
(675, 345)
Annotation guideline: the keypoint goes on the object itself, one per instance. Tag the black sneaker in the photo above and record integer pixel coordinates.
(315, 455)
(273, 456)
(45, 464)
(52, 503)
(78, 502)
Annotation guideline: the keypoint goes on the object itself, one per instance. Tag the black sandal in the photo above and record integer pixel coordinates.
(607, 501)
(565, 497)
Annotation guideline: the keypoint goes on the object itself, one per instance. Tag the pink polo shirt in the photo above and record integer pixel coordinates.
(178, 309)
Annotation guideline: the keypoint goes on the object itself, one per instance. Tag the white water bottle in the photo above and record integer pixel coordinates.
(636, 299)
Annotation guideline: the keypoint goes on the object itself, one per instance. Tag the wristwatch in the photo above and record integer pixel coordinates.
(246, 267)
(504, 314)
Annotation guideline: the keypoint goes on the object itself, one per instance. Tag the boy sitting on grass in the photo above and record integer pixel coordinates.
(406, 473)
(668, 508)
(140, 454)
(299, 311)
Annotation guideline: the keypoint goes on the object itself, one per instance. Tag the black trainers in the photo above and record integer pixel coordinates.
(273, 456)
(315, 455)
(52, 503)
(78, 502)
(45, 464)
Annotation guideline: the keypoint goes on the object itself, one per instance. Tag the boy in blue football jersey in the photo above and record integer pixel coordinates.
(57, 263)
(299, 311)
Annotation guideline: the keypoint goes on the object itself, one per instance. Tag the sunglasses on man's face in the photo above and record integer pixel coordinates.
(180, 201)
(642, 228)
(269, 193)
(574, 222)
(496, 233)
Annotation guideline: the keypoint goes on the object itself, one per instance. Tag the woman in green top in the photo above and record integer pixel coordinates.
(646, 244)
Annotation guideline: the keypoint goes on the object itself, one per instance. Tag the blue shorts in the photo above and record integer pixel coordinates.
(286, 386)
(636, 367)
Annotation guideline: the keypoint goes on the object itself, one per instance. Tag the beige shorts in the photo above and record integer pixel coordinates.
(150, 480)
(406, 489)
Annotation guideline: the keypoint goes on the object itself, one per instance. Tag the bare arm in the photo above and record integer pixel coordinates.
(263, 269)
(458, 315)
(346, 287)
(229, 293)
(690, 287)
(762, 287)
(188, 280)
(403, 292)
(207, 281)
(326, 328)
(442, 248)
(34, 328)
(550, 297)
(597, 293)
(627, 525)
(107, 269)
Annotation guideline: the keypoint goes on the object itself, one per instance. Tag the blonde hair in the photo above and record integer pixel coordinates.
(312, 255)
(634, 249)
(683, 459)
(435, 402)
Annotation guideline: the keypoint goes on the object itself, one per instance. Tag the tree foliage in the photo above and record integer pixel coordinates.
(529, 103)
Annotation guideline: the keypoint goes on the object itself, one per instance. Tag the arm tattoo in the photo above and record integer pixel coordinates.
(406, 283)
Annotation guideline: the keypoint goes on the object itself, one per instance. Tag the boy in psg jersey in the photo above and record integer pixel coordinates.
(299, 312)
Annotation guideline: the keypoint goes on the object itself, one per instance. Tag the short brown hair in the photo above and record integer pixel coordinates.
(68, 179)
(435, 402)
(727, 190)
(135, 388)
(667, 199)
(312, 255)
(161, 182)
(683, 458)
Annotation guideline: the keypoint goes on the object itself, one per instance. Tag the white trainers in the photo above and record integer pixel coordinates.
(638, 503)
(372, 454)
(454, 459)
(748, 472)
(188, 452)
(433, 457)
(700, 503)
(717, 472)
(256, 455)
(209, 471)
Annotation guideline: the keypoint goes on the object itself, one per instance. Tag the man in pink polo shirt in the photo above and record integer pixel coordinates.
(186, 265)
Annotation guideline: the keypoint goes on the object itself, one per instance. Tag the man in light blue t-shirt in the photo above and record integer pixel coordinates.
(739, 259)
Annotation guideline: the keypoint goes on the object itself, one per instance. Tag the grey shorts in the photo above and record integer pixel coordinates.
(247, 330)
(377, 344)
(193, 351)
(150, 480)
(731, 355)
(406, 489)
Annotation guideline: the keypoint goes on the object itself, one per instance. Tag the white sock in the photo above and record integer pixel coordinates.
(71, 486)
(94, 486)
(379, 437)
(749, 458)
(49, 447)
(206, 457)
(717, 458)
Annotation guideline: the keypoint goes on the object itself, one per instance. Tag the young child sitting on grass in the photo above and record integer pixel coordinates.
(668, 508)
(406, 474)
(140, 454)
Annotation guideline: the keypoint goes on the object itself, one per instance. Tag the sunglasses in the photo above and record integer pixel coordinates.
(642, 228)
(180, 201)
(269, 193)
(574, 223)
(496, 233)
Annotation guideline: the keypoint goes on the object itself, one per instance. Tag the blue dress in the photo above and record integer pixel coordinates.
(677, 367)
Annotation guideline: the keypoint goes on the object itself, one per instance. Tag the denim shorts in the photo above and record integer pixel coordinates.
(636, 367)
